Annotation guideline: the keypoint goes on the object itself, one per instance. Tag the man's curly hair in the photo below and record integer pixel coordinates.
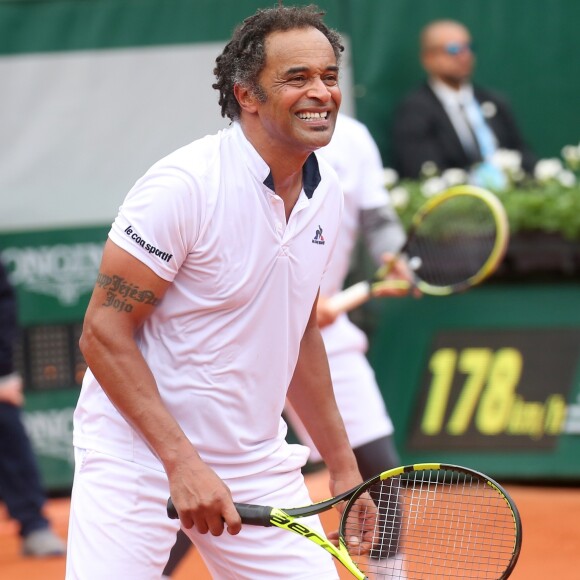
(244, 57)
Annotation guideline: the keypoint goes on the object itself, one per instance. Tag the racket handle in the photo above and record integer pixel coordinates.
(253, 515)
(350, 298)
(171, 511)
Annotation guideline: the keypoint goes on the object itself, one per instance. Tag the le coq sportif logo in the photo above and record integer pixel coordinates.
(318, 237)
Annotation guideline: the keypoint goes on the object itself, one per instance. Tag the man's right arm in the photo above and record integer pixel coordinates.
(109, 347)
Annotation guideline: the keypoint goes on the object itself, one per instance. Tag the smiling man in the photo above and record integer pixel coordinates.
(188, 379)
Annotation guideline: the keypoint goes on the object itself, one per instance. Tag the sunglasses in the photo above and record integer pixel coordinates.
(455, 48)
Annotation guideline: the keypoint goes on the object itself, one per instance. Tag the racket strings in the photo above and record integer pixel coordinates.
(454, 241)
(431, 524)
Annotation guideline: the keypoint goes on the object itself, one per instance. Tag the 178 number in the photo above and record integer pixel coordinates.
(486, 396)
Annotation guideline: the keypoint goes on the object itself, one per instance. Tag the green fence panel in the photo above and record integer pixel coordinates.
(526, 49)
(489, 379)
(54, 272)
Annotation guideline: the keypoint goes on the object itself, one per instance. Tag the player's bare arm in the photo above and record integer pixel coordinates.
(125, 295)
(325, 315)
(312, 396)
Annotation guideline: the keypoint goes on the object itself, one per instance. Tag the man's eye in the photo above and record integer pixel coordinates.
(331, 80)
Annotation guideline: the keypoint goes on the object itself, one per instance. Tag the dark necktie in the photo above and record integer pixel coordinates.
(472, 149)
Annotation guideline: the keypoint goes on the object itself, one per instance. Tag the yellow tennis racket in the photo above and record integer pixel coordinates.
(427, 520)
(455, 241)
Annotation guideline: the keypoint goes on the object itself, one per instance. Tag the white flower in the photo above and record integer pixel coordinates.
(507, 160)
(390, 177)
(455, 176)
(570, 152)
(566, 178)
(488, 109)
(571, 155)
(429, 169)
(399, 197)
(433, 186)
(518, 176)
(547, 169)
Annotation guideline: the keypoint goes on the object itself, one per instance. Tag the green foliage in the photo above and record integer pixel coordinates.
(550, 208)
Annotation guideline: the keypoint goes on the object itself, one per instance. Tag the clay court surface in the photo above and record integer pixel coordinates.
(550, 519)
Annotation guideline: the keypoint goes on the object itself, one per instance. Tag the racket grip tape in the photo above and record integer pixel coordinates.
(350, 298)
(253, 515)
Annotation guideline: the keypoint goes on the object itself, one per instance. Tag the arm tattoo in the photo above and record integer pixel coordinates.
(121, 293)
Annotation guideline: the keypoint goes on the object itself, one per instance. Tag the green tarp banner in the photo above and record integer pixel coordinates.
(97, 90)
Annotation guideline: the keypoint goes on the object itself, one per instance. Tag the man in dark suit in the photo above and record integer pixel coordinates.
(447, 120)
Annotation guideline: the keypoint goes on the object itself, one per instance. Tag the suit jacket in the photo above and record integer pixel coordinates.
(422, 131)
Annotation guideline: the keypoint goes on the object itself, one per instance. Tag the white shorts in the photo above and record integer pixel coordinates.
(359, 401)
(119, 527)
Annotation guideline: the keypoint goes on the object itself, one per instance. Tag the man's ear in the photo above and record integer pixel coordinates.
(246, 98)
(427, 60)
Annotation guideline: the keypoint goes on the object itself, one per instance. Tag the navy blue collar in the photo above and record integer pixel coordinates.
(310, 176)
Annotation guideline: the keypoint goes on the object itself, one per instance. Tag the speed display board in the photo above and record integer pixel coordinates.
(489, 379)
(485, 389)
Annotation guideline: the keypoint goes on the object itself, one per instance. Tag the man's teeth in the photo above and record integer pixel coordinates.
(313, 115)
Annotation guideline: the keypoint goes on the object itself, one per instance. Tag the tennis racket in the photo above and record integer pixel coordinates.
(455, 241)
(427, 520)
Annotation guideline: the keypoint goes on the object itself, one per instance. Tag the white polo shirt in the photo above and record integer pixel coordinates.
(224, 342)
